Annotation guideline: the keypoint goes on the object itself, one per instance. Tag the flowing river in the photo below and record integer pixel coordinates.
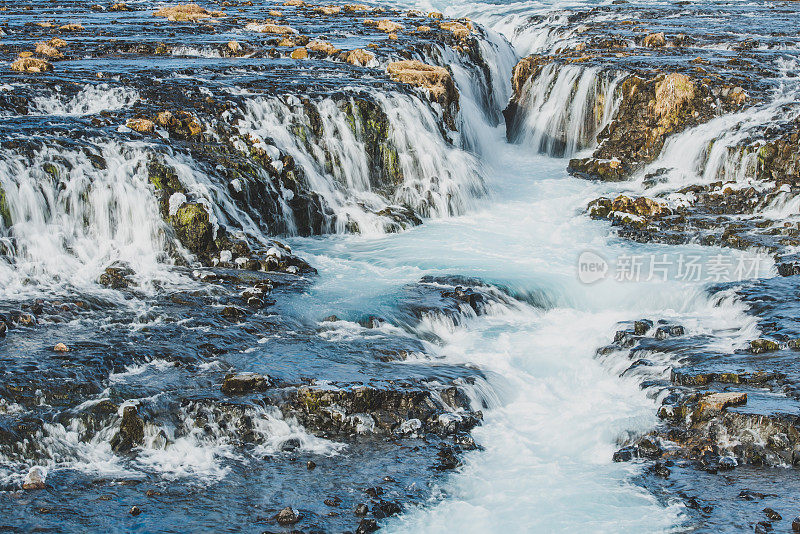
(499, 213)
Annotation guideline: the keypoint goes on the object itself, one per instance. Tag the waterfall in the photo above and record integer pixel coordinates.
(563, 108)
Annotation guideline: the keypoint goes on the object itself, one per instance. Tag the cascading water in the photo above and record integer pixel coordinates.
(143, 392)
(564, 108)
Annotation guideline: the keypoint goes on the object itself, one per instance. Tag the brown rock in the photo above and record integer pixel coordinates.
(71, 28)
(318, 45)
(186, 13)
(654, 40)
(436, 80)
(269, 27)
(671, 93)
(384, 25)
(31, 65)
(328, 10)
(359, 57)
(34, 480)
(713, 404)
(461, 31)
(60, 347)
(141, 125)
(299, 53)
(48, 50)
(287, 516)
(242, 383)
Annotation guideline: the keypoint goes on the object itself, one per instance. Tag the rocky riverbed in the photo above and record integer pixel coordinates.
(289, 266)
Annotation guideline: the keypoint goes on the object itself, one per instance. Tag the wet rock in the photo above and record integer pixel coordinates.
(458, 29)
(45, 49)
(117, 276)
(448, 458)
(186, 13)
(31, 65)
(361, 510)
(654, 40)
(299, 53)
(243, 383)
(141, 125)
(287, 517)
(358, 57)
(384, 25)
(131, 431)
(760, 346)
(772, 515)
(276, 29)
(796, 524)
(135, 510)
(714, 403)
(233, 313)
(365, 409)
(34, 480)
(333, 502)
(762, 527)
(366, 526)
(666, 332)
(310, 465)
(193, 228)
(641, 328)
(383, 509)
(61, 347)
(436, 80)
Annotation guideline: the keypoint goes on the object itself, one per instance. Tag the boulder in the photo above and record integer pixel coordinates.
(358, 57)
(193, 228)
(131, 431)
(46, 49)
(31, 65)
(35, 478)
(287, 517)
(384, 25)
(186, 13)
(243, 383)
(141, 125)
(713, 404)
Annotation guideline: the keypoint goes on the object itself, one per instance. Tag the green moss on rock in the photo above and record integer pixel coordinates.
(193, 228)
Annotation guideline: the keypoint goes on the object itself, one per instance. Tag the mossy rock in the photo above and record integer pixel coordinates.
(193, 228)
(51, 170)
(5, 212)
(164, 178)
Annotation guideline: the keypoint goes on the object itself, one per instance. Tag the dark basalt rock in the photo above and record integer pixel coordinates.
(287, 517)
(117, 276)
(243, 383)
(131, 431)
(368, 525)
(388, 411)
